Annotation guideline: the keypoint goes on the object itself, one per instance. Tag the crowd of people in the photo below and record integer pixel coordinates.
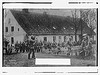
(32, 46)
(86, 46)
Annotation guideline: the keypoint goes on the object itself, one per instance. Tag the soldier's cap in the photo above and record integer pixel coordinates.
(32, 37)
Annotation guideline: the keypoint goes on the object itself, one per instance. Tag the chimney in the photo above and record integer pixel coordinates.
(25, 10)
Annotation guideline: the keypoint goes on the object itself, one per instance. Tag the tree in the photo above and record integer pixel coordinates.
(75, 15)
(89, 16)
(81, 15)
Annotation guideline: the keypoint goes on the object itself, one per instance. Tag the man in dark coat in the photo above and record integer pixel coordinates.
(6, 42)
(69, 43)
(84, 45)
(27, 46)
(20, 46)
(32, 50)
(23, 47)
(17, 46)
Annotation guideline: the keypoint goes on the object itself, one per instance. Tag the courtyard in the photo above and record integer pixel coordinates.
(21, 60)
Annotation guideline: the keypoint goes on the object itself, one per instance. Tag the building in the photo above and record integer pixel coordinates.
(12, 29)
(49, 28)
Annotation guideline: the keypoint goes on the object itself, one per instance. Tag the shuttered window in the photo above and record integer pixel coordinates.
(12, 28)
(6, 29)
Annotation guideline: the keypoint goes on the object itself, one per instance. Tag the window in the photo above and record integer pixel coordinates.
(6, 29)
(54, 38)
(18, 29)
(12, 40)
(59, 37)
(45, 38)
(12, 28)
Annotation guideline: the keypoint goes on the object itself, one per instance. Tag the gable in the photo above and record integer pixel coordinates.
(10, 21)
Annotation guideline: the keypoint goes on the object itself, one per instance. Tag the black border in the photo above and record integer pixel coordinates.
(2, 35)
(97, 39)
(29, 2)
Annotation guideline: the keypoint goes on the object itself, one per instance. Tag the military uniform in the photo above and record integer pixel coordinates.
(27, 46)
(90, 51)
(69, 44)
(41, 46)
(20, 46)
(17, 47)
(84, 45)
(32, 49)
(5, 45)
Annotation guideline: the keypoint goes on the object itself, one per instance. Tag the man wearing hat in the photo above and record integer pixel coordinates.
(84, 45)
(31, 50)
(69, 43)
(6, 42)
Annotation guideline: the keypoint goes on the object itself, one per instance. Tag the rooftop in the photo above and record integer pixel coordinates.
(44, 24)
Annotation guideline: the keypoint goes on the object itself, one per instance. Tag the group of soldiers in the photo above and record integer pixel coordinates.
(31, 46)
(86, 46)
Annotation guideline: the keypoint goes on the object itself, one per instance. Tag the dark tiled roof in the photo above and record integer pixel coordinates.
(34, 23)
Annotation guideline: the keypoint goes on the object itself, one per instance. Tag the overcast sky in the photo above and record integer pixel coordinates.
(60, 12)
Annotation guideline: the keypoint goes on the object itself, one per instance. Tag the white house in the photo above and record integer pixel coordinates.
(12, 30)
(45, 27)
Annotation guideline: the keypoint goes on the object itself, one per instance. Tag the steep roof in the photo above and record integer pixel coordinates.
(43, 24)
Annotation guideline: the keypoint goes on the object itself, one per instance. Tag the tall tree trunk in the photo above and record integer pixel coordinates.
(81, 30)
(75, 34)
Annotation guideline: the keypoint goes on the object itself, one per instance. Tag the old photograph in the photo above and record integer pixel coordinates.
(29, 34)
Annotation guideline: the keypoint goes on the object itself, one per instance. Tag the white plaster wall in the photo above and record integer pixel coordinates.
(18, 35)
(50, 38)
(19, 39)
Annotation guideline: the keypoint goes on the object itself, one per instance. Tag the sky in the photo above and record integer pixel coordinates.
(60, 12)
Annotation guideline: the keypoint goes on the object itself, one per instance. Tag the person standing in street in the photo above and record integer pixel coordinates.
(32, 48)
(6, 42)
(69, 44)
(20, 46)
(17, 47)
(84, 45)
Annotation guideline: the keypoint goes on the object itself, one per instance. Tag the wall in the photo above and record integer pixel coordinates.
(50, 38)
(10, 21)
